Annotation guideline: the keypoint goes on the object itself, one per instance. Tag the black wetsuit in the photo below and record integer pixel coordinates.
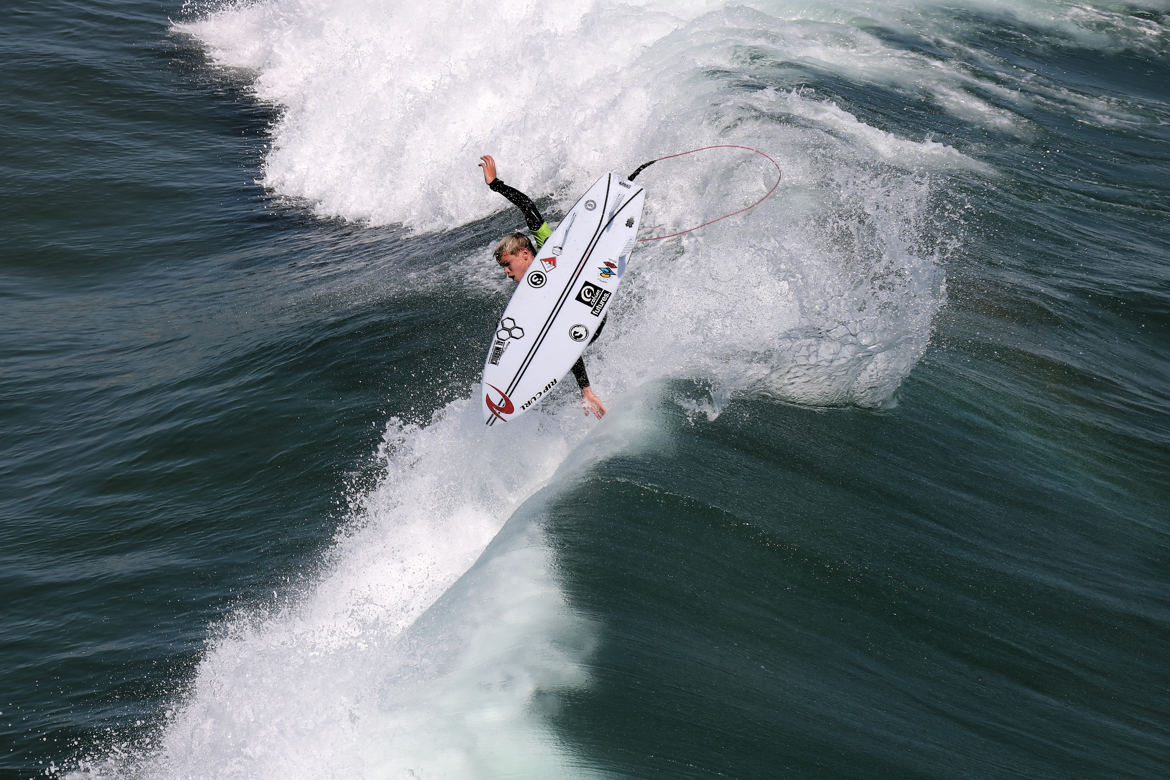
(540, 232)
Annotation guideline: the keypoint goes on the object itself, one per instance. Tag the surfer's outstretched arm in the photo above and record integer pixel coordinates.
(518, 199)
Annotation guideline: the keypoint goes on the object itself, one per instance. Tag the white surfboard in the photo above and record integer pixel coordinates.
(562, 298)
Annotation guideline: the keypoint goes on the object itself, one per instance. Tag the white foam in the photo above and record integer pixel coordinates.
(403, 657)
(384, 110)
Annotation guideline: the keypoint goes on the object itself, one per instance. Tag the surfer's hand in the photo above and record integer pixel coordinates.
(489, 168)
(593, 404)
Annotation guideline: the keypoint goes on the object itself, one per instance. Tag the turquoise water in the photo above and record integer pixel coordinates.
(882, 489)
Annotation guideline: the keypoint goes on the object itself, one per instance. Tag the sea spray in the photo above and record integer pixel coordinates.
(402, 654)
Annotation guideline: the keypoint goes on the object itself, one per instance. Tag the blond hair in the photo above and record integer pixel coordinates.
(513, 242)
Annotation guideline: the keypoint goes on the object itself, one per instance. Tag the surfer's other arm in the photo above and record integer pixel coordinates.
(589, 399)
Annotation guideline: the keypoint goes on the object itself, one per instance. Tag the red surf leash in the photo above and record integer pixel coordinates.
(644, 166)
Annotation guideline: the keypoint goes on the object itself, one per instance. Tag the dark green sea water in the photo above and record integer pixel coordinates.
(882, 491)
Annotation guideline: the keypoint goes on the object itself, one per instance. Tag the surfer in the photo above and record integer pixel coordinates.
(515, 253)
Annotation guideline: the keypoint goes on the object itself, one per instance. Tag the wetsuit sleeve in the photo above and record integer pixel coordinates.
(520, 201)
(579, 374)
(540, 229)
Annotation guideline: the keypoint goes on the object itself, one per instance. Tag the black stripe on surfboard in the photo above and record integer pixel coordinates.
(602, 227)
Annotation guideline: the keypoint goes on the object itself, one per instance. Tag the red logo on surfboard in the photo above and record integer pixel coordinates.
(504, 406)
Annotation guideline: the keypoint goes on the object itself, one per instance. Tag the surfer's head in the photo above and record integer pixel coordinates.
(514, 253)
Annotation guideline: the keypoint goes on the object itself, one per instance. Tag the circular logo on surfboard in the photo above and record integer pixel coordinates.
(537, 279)
(590, 205)
(578, 333)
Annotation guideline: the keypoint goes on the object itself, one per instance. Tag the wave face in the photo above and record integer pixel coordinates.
(436, 638)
